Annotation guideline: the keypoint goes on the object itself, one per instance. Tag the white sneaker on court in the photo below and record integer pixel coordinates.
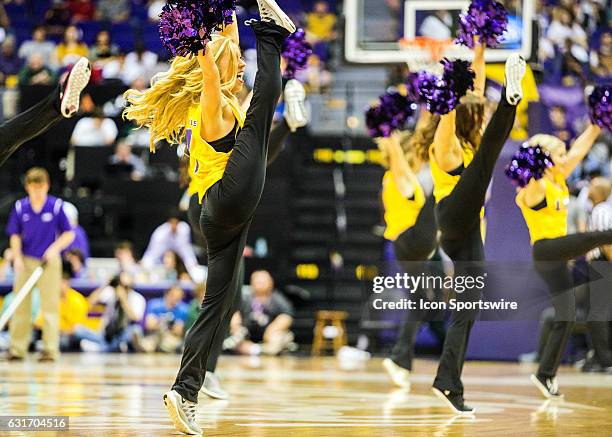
(182, 413)
(72, 87)
(270, 11)
(212, 387)
(295, 105)
(515, 71)
(398, 374)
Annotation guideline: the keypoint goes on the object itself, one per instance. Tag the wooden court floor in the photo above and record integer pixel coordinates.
(121, 395)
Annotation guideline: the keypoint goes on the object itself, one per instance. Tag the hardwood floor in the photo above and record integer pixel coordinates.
(120, 395)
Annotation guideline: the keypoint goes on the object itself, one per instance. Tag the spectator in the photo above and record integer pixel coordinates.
(437, 25)
(36, 72)
(39, 44)
(81, 242)
(116, 11)
(71, 49)
(124, 254)
(103, 50)
(39, 230)
(10, 63)
(81, 10)
(57, 18)
(265, 316)
(164, 323)
(560, 125)
(5, 23)
(155, 9)
(73, 310)
(76, 260)
(562, 28)
(601, 59)
(320, 23)
(139, 63)
(174, 268)
(174, 235)
(195, 305)
(123, 161)
(95, 130)
(124, 310)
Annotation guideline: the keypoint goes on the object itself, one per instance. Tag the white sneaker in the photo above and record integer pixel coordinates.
(515, 71)
(549, 387)
(212, 387)
(295, 105)
(182, 413)
(73, 85)
(398, 375)
(270, 11)
(89, 346)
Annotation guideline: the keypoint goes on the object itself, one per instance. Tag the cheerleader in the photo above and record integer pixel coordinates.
(543, 203)
(411, 226)
(462, 159)
(63, 103)
(231, 151)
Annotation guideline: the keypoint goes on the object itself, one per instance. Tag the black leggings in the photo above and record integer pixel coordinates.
(28, 124)
(550, 261)
(458, 217)
(228, 209)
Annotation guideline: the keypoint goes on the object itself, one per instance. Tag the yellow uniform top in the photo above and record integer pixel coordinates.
(444, 183)
(206, 165)
(550, 221)
(400, 213)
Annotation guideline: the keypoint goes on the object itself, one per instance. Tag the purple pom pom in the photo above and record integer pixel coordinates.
(600, 106)
(529, 162)
(186, 25)
(486, 19)
(458, 76)
(378, 122)
(392, 112)
(296, 52)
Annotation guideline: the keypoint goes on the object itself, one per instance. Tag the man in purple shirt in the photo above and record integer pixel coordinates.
(39, 230)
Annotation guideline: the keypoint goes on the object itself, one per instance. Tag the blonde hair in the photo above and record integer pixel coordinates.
(163, 108)
(548, 142)
(37, 175)
(410, 153)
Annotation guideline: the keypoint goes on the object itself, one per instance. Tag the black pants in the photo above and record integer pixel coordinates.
(411, 247)
(550, 260)
(458, 217)
(28, 124)
(228, 209)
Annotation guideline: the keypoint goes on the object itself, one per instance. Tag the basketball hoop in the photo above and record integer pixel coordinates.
(425, 53)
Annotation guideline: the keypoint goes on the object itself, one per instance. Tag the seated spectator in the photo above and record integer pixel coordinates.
(164, 325)
(81, 10)
(36, 72)
(173, 267)
(174, 235)
(39, 44)
(601, 59)
(263, 322)
(103, 50)
(196, 304)
(564, 27)
(73, 310)
(154, 10)
(124, 254)
(124, 310)
(95, 130)
(10, 63)
(76, 260)
(115, 11)
(71, 49)
(139, 63)
(320, 22)
(124, 163)
(80, 242)
(561, 128)
(57, 18)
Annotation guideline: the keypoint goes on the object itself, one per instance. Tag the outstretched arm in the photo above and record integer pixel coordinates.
(404, 177)
(479, 67)
(581, 147)
(447, 149)
(231, 30)
(211, 97)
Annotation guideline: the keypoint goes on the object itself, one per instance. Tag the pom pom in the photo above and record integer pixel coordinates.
(296, 51)
(458, 76)
(486, 19)
(391, 113)
(378, 122)
(600, 106)
(529, 162)
(186, 25)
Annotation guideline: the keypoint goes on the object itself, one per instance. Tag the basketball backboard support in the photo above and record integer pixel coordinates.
(376, 31)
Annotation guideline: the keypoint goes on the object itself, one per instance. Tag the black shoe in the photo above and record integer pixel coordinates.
(591, 366)
(548, 386)
(454, 401)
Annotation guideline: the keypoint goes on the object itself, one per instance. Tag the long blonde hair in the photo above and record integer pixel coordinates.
(163, 108)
